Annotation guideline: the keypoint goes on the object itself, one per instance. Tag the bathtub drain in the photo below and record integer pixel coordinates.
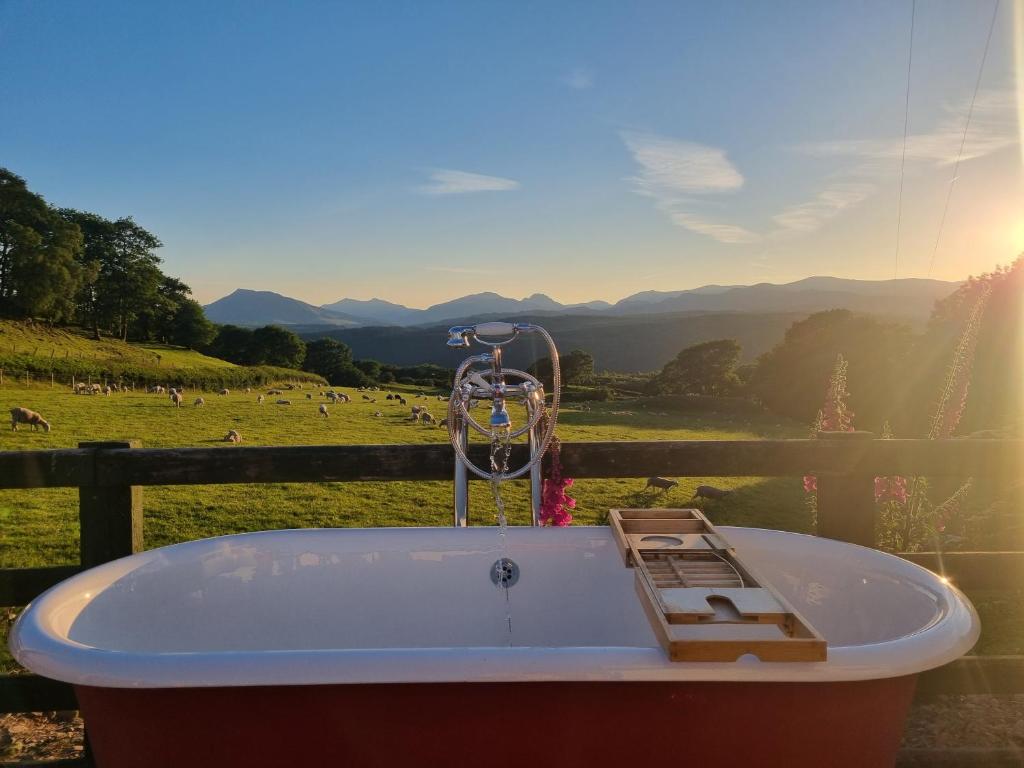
(504, 573)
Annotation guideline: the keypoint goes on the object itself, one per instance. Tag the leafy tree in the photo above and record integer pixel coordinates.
(371, 368)
(350, 376)
(577, 368)
(327, 357)
(274, 345)
(189, 326)
(234, 344)
(39, 274)
(790, 378)
(703, 369)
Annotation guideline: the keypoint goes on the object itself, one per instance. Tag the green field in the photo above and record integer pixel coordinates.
(39, 527)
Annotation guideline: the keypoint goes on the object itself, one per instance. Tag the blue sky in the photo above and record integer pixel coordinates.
(420, 151)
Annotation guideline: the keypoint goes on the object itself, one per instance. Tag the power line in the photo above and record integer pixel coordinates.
(906, 125)
(963, 140)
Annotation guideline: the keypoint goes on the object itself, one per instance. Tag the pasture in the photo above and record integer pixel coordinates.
(39, 527)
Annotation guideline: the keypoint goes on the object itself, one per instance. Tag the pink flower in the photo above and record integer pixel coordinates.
(810, 484)
(891, 489)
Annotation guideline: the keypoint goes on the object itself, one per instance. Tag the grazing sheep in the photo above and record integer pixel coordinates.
(415, 416)
(402, 401)
(274, 392)
(367, 397)
(332, 397)
(344, 398)
(390, 397)
(248, 390)
(107, 390)
(416, 409)
(199, 402)
(426, 418)
(224, 392)
(176, 400)
(156, 389)
(443, 423)
(710, 492)
(259, 400)
(309, 396)
(377, 413)
(663, 483)
(232, 437)
(323, 410)
(284, 402)
(373, 399)
(25, 416)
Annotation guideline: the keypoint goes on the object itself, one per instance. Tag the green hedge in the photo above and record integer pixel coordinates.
(40, 368)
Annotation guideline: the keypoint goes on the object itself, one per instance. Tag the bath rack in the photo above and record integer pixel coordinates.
(703, 602)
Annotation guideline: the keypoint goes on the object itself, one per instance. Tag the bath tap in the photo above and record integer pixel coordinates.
(491, 383)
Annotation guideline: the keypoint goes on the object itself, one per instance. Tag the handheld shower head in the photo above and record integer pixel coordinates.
(458, 336)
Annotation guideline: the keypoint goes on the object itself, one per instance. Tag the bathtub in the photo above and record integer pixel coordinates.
(356, 647)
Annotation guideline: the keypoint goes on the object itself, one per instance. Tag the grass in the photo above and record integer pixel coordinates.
(39, 527)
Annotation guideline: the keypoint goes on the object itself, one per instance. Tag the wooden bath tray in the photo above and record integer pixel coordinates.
(704, 603)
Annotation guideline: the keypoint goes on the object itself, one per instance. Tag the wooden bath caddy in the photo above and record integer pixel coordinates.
(704, 603)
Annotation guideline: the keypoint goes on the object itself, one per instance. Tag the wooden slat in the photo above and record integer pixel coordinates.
(31, 693)
(19, 586)
(974, 674)
(692, 458)
(44, 469)
(109, 516)
(974, 570)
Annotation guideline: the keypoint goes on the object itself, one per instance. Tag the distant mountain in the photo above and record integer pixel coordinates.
(376, 310)
(257, 308)
(911, 298)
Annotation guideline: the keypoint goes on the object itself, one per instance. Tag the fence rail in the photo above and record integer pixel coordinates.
(110, 477)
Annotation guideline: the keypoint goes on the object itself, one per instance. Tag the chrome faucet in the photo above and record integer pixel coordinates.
(491, 384)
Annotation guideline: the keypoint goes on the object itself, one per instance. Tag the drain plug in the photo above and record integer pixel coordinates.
(504, 573)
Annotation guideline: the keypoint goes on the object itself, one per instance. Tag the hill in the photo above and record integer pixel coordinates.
(910, 298)
(256, 308)
(40, 350)
(626, 344)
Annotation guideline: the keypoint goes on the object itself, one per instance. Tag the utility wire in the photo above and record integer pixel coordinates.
(906, 125)
(963, 140)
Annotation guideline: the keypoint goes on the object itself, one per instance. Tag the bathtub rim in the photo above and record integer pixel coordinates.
(36, 646)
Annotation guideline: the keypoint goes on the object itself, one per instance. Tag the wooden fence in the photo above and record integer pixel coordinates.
(110, 477)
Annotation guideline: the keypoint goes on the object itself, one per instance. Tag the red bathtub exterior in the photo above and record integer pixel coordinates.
(455, 725)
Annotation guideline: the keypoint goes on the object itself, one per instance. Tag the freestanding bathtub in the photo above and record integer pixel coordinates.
(392, 647)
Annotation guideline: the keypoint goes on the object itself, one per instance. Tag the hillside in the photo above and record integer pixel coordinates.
(627, 344)
(41, 350)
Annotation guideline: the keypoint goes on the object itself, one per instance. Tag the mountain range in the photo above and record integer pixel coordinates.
(908, 297)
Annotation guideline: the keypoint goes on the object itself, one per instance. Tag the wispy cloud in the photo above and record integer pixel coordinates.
(449, 182)
(579, 79)
(993, 127)
(723, 233)
(809, 216)
(677, 174)
(670, 166)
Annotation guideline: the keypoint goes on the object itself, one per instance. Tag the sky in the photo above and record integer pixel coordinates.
(416, 152)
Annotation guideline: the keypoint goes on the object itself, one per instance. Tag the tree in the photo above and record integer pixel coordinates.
(371, 368)
(189, 326)
(234, 344)
(703, 369)
(790, 378)
(273, 345)
(39, 273)
(577, 367)
(327, 357)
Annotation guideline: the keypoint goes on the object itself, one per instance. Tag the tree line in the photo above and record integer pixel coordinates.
(62, 265)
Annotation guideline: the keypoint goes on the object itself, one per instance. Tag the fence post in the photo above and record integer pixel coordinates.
(846, 502)
(110, 517)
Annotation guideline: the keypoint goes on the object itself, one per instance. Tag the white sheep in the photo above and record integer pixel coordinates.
(259, 400)
(26, 416)
(232, 437)
(225, 392)
(377, 413)
(426, 418)
(323, 410)
(199, 401)
(107, 390)
(284, 402)
(248, 390)
(176, 400)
